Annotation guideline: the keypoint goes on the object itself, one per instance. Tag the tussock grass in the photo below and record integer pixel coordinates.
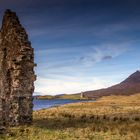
(109, 118)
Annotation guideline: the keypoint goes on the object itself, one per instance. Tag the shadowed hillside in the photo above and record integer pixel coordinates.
(128, 87)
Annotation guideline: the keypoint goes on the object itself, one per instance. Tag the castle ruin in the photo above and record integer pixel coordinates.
(16, 73)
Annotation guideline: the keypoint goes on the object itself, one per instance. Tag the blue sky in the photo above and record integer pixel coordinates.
(80, 45)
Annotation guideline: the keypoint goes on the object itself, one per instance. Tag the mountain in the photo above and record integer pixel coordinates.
(129, 86)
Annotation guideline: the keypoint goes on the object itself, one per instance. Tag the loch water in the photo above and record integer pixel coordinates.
(46, 103)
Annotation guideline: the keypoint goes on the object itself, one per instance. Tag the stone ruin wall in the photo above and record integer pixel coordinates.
(16, 73)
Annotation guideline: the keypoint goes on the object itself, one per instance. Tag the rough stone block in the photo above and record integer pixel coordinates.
(16, 73)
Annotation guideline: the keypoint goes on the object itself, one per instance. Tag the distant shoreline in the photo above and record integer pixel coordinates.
(63, 96)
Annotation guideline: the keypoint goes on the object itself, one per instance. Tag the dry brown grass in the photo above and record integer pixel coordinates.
(109, 118)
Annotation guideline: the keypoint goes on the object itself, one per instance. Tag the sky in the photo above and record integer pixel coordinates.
(80, 45)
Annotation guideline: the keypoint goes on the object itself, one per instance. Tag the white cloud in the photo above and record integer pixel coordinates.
(98, 53)
(72, 76)
(68, 85)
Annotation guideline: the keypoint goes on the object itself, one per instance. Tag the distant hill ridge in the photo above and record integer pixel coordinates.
(129, 86)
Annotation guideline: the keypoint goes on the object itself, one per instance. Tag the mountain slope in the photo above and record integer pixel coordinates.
(127, 87)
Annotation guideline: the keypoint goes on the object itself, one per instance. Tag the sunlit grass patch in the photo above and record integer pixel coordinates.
(109, 118)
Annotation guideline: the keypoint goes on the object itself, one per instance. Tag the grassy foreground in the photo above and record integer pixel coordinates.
(109, 118)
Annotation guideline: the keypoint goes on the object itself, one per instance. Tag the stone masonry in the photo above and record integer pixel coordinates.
(16, 73)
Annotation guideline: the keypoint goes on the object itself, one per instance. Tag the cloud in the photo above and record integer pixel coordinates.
(68, 85)
(104, 52)
(107, 57)
(59, 61)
